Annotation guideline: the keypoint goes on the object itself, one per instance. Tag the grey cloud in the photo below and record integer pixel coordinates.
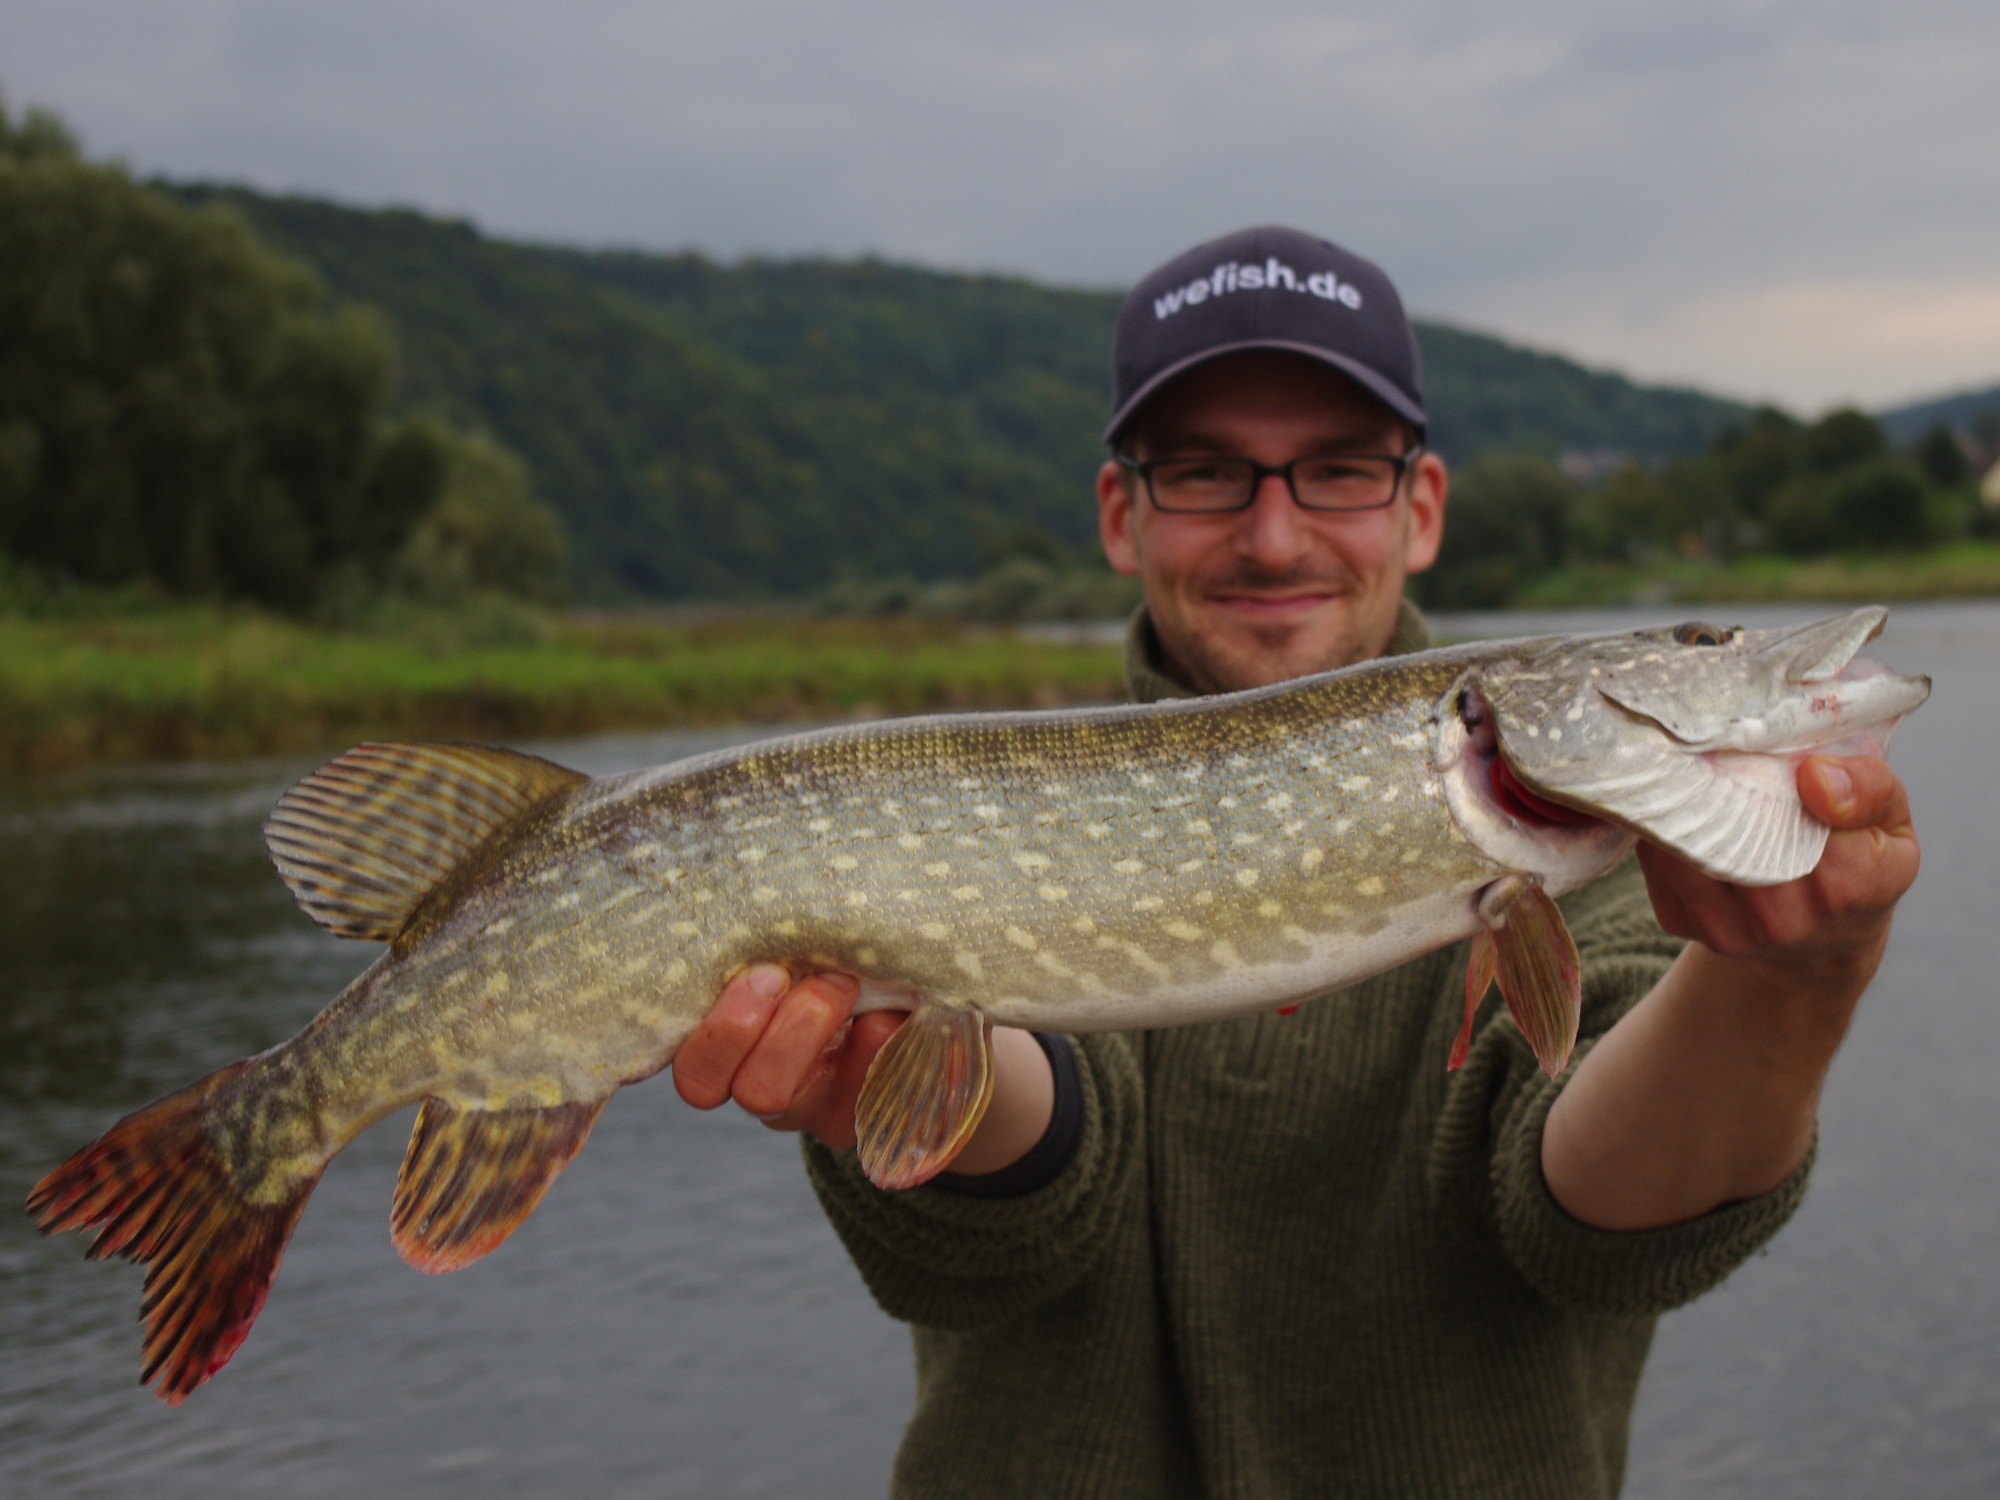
(1642, 156)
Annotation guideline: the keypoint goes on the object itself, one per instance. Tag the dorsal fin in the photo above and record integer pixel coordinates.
(368, 835)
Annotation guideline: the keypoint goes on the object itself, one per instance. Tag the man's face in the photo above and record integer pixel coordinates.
(1260, 595)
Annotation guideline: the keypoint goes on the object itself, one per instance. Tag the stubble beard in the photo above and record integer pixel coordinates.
(1244, 654)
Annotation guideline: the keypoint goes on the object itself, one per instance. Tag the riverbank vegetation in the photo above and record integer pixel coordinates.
(1777, 508)
(110, 679)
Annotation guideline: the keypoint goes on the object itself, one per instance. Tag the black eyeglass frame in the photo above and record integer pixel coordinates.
(1144, 469)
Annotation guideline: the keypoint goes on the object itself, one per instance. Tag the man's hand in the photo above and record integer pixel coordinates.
(792, 1055)
(1708, 1089)
(1834, 923)
(795, 1056)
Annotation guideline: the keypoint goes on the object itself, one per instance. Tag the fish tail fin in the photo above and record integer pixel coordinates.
(157, 1190)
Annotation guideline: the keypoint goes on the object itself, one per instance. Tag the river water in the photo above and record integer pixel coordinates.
(678, 1320)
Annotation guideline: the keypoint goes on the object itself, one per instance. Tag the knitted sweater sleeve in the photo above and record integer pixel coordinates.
(947, 1260)
(1487, 1155)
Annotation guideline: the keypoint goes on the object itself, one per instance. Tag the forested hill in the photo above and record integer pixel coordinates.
(714, 431)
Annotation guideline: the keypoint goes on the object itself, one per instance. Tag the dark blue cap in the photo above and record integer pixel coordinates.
(1266, 288)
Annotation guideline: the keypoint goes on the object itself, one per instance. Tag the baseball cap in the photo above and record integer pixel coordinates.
(1266, 288)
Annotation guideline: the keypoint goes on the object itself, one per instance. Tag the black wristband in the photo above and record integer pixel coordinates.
(1050, 1156)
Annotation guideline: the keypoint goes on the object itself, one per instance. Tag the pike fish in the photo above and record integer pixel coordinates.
(551, 937)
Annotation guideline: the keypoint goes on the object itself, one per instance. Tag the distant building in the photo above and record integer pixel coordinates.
(1586, 467)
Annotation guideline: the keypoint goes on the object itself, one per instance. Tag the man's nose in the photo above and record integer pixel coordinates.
(1274, 530)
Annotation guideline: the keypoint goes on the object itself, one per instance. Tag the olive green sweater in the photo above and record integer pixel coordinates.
(1293, 1256)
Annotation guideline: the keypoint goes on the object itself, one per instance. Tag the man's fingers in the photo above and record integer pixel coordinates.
(827, 1106)
(705, 1066)
(1853, 791)
(792, 1053)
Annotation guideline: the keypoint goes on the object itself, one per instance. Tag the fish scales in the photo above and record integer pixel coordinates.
(551, 937)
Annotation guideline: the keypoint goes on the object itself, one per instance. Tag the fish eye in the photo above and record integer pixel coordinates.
(1694, 633)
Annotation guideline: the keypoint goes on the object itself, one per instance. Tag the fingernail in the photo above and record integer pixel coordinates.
(1839, 785)
(767, 980)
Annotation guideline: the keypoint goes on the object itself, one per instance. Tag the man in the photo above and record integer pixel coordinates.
(1292, 1256)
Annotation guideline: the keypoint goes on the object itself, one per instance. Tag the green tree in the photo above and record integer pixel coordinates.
(176, 404)
(487, 531)
(1509, 519)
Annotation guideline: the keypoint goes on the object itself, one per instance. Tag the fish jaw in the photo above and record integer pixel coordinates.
(1562, 855)
(1690, 736)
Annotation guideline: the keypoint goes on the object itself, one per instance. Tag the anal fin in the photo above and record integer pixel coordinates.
(1535, 960)
(471, 1176)
(925, 1093)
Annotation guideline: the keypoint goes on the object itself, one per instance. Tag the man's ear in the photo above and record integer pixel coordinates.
(1117, 521)
(1429, 484)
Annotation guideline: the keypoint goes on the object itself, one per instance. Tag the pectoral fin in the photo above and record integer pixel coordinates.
(925, 1094)
(1478, 980)
(1535, 960)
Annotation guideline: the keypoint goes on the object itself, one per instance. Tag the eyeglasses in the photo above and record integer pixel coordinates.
(1214, 486)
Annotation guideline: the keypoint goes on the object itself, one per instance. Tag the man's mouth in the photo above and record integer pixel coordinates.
(1284, 606)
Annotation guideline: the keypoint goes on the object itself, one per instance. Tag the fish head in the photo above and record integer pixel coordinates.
(1691, 735)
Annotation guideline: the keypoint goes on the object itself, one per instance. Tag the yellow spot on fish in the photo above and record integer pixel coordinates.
(1311, 859)
(966, 892)
(1148, 903)
(1032, 861)
(909, 841)
(763, 894)
(1054, 965)
(497, 982)
(1084, 925)
(844, 862)
(820, 825)
(1097, 830)
(1371, 885)
(1268, 909)
(677, 971)
(1200, 826)
(868, 956)
(937, 870)
(1020, 937)
(987, 811)
(751, 855)
(1412, 855)
(496, 927)
(1054, 893)
(1354, 784)
(935, 930)
(1203, 898)
(1278, 802)
(857, 898)
(1245, 838)
(968, 962)
(1246, 878)
(1187, 932)
(1128, 867)
(1224, 955)
(1187, 867)
(1342, 825)
(570, 898)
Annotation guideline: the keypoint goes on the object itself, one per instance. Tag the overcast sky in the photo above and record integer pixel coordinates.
(1793, 199)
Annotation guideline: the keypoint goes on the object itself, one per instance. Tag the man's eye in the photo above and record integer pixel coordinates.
(1197, 474)
(1333, 471)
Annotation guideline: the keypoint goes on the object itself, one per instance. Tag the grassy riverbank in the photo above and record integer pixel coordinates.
(192, 682)
(1963, 570)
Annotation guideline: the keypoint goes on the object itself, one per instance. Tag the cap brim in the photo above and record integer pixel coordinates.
(1383, 390)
